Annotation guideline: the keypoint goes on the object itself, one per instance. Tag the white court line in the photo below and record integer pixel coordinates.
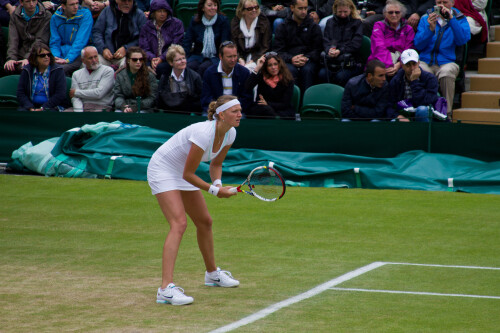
(414, 293)
(445, 266)
(310, 293)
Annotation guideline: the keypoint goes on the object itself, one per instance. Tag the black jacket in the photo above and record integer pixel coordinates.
(368, 103)
(182, 101)
(346, 34)
(278, 98)
(291, 39)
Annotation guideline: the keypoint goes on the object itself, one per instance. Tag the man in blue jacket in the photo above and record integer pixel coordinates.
(438, 35)
(70, 29)
(116, 29)
(412, 90)
(365, 95)
(226, 78)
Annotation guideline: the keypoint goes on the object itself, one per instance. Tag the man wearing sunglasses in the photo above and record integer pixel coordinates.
(117, 29)
(29, 23)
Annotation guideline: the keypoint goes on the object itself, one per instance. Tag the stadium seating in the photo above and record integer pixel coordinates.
(365, 49)
(228, 7)
(8, 90)
(296, 98)
(322, 101)
(185, 10)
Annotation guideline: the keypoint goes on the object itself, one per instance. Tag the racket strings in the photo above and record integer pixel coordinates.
(267, 184)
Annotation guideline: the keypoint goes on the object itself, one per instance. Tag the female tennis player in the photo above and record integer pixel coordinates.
(172, 178)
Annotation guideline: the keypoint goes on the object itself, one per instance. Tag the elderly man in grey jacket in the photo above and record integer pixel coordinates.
(92, 86)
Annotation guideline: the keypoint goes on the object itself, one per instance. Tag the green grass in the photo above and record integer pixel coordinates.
(85, 255)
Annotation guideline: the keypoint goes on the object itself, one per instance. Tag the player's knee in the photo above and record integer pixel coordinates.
(179, 226)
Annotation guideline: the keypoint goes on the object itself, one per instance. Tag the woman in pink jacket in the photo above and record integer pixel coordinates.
(391, 36)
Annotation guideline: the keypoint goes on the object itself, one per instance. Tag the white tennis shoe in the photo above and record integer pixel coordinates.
(220, 278)
(173, 295)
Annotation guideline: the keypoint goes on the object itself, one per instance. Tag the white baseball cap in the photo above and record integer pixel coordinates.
(409, 55)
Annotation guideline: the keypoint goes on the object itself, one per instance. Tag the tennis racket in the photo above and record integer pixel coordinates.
(264, 183)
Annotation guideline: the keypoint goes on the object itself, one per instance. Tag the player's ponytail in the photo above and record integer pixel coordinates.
(215, 104)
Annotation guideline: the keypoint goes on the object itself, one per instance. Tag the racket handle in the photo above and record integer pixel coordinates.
(233, 190)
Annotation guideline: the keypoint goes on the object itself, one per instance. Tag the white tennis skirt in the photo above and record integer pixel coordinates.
(162, 179)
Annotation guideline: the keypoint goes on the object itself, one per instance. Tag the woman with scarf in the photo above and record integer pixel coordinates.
(135, 84)
(391, 37)
(275, 88)
(207, 30)
(342, 41)
(42, 84)
(251, 32)
(160, 31)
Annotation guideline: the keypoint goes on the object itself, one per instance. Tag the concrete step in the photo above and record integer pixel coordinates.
(489, 66)
(481, 99)
(495, 33)
(477, 116)
(484, 82)
(493, 49)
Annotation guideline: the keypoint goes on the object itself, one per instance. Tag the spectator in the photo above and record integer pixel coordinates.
(415, 9)
(42, 85)
(251, 32)
(475, 13)
(365, 96)
(181, 90)
(29, 23)
(160, 31)
(438, 36)
(207, 29)
(319, 9)
(95, 7)
(135, 88)
(274, 88)
(298, 41)
(117, 29)
(391, 36)
(7, 7)
(276, 11)
(373, 13)
(342, 41)
(226, 78)
(51, 5)
(92, 86)
(412, 88)
(70, 29)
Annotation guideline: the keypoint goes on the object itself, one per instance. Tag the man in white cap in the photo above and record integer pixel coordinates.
(412, 90)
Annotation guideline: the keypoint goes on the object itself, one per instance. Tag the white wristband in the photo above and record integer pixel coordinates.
(217, 182)
(214, 190)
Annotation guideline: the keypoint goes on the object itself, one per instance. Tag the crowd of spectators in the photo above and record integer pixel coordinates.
(134, 55)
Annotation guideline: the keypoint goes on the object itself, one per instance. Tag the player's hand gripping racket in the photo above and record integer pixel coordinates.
(264, 183)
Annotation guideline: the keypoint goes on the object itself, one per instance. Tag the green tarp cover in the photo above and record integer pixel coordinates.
(117, 150)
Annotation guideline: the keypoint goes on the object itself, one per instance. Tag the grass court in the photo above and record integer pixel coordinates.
(85, 256)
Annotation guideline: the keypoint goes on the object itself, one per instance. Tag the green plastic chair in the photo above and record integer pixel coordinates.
(185, 10)
(228, 7)
(8, 90)
(296, 98)
(322, 101)
(366, 49)
(5, 31)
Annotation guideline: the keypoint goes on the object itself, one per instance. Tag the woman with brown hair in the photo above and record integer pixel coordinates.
(275, 88)
(207, 30)
(251, 32)
(42, 84)
(135, 87)
(173, 180)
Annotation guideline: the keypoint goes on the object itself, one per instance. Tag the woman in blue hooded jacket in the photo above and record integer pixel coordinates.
(160, 31)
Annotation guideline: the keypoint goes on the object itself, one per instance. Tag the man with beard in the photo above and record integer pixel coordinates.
(92, 86)
(117, 29)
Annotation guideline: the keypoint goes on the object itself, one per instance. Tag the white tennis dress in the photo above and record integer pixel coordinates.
(166, 166)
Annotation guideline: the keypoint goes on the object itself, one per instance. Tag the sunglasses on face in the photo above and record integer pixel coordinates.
(136, 59)
(394, 12)
(43, 55)
(249, 9)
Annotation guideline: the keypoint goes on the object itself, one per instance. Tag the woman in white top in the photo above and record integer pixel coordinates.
(172, 178)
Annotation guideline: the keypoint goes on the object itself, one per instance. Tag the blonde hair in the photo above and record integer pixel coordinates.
(215, 104)
(241, 7)
(346, 3)
(172, 51)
